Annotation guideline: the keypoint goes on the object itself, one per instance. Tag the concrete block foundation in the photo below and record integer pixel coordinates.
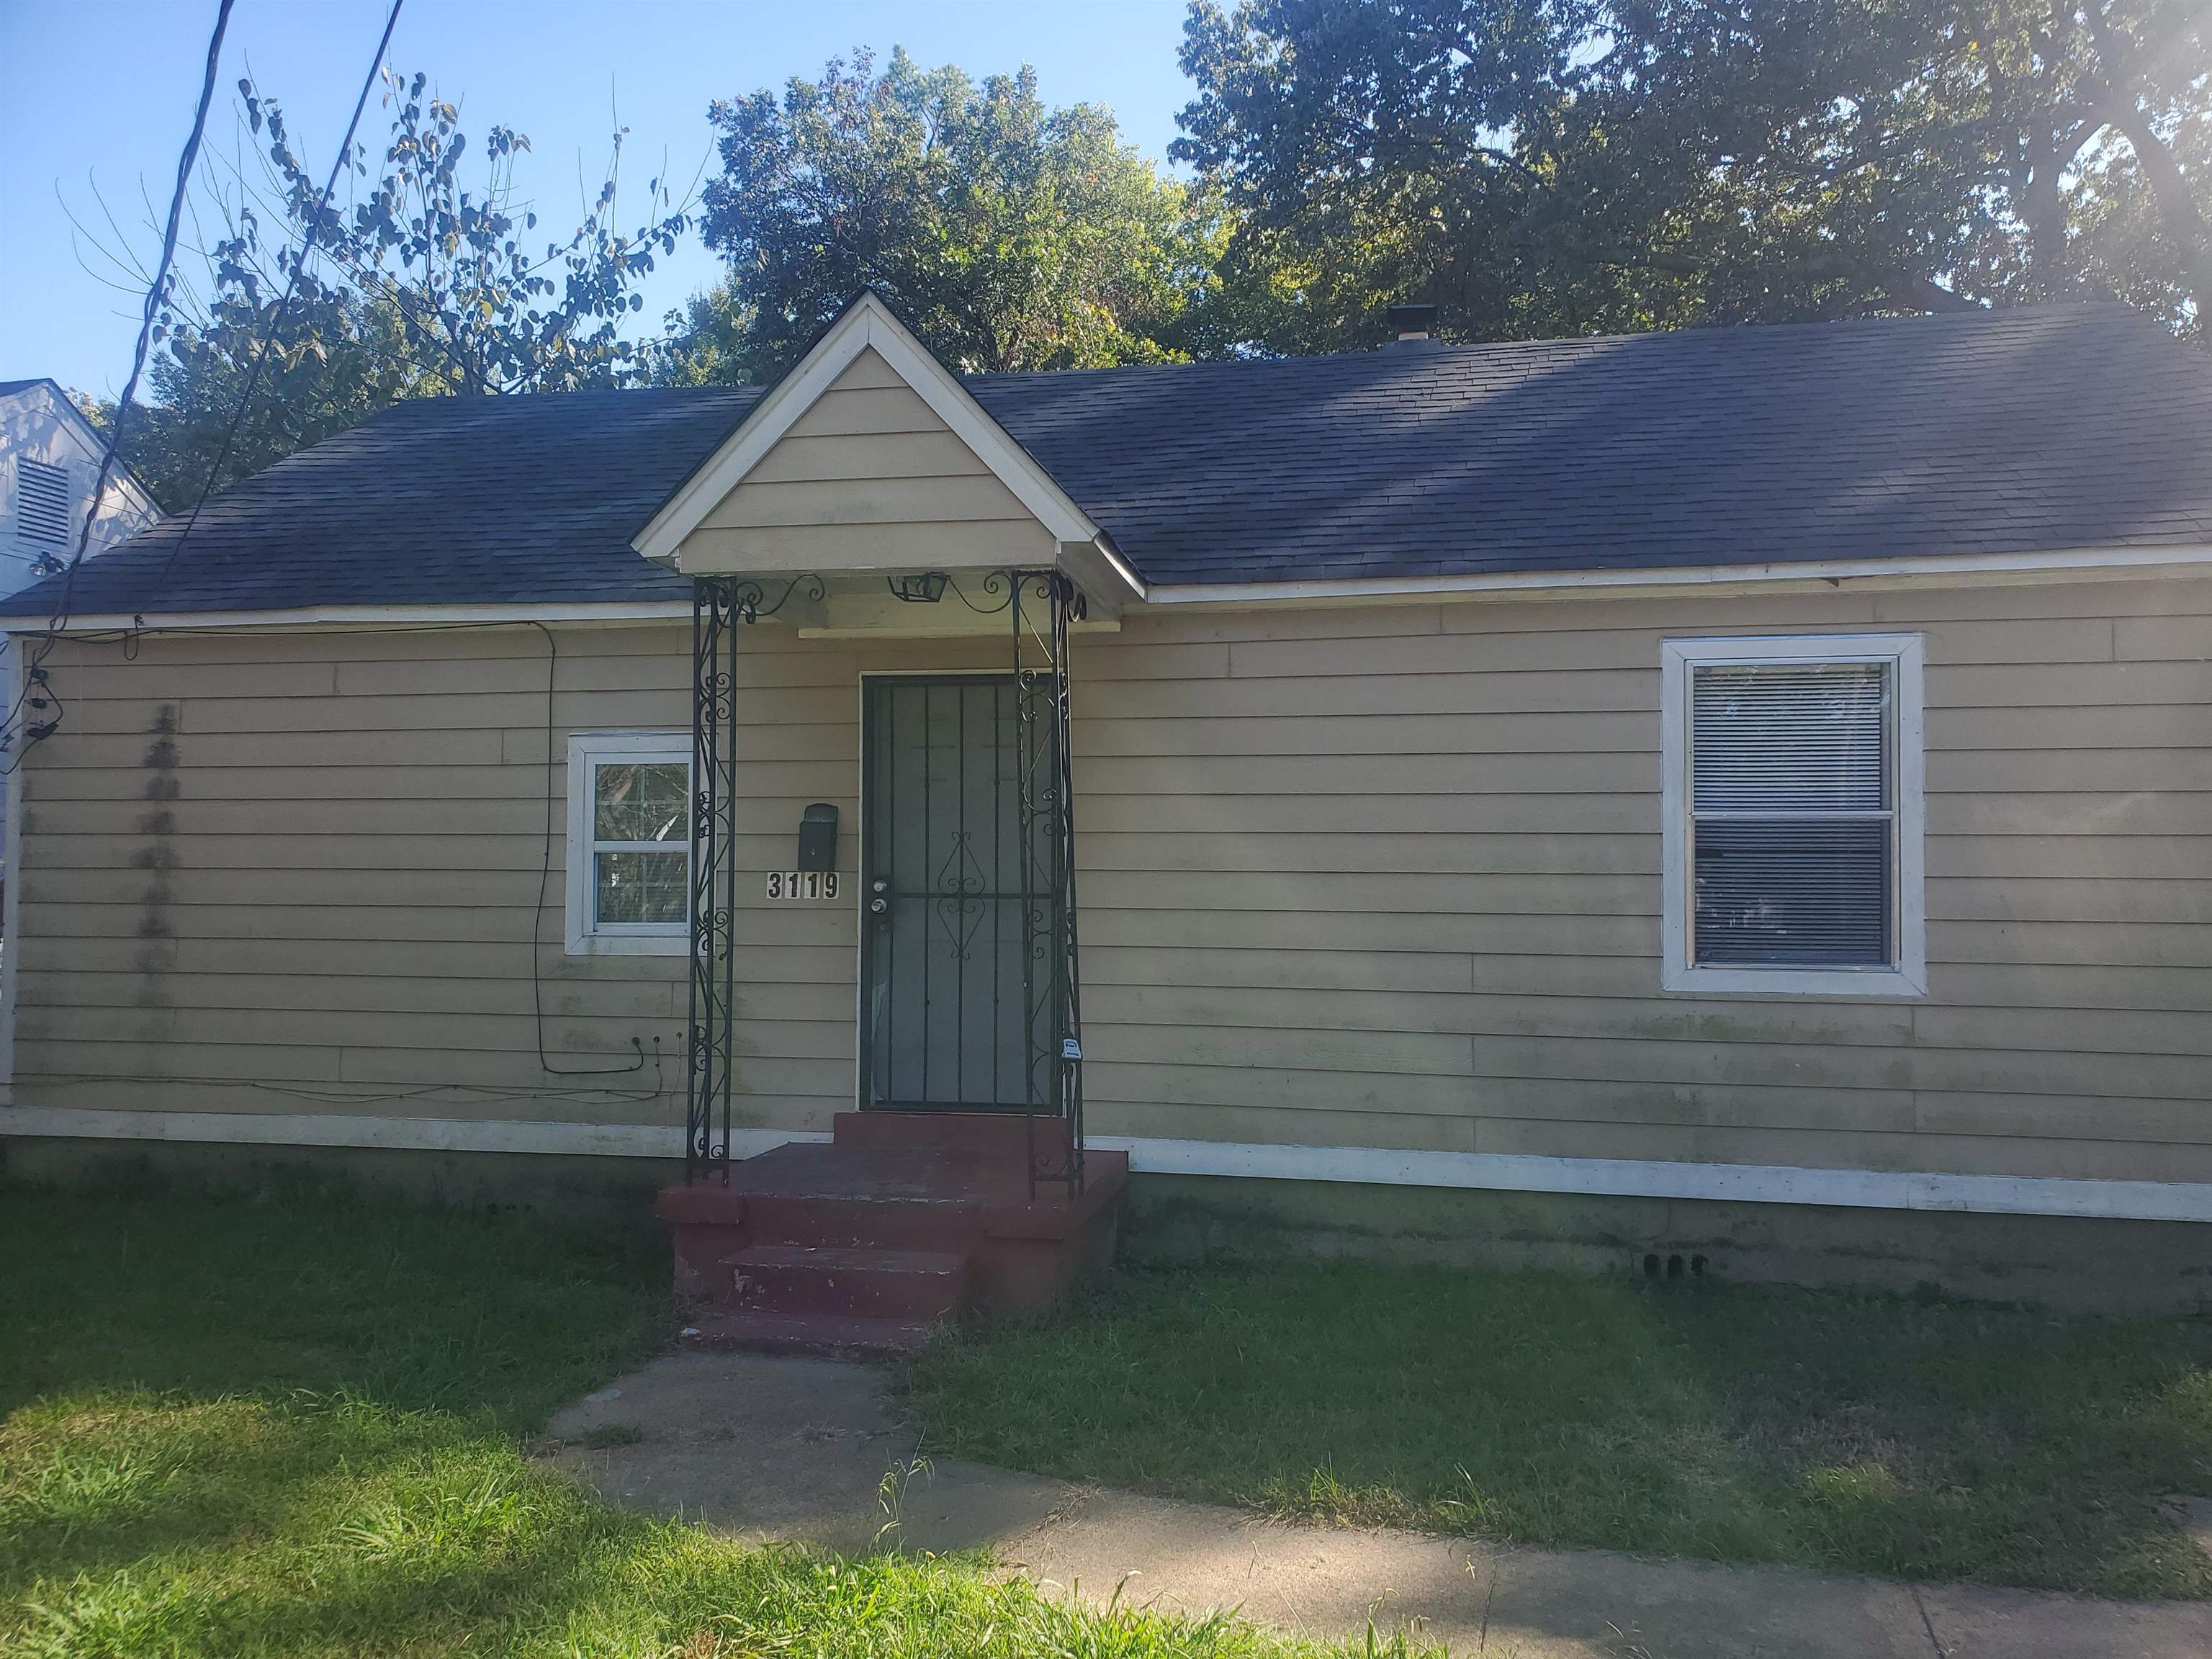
(2085, 1264)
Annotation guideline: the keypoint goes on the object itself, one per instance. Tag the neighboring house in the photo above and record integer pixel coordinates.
(1735, 799)
(49, 461)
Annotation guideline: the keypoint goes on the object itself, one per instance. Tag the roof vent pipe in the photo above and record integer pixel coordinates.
(1411, 322)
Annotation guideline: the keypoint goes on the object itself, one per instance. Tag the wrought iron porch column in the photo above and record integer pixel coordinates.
(1045, 786)
(717, 606)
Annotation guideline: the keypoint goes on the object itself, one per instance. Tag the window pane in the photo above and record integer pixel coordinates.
(1805, 893)
(639, 887)
(647, 802)
(1788, 737)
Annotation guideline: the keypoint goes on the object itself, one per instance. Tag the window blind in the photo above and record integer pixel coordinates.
(1792, 814)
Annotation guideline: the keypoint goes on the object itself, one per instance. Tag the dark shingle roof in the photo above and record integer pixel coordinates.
(2009, 432)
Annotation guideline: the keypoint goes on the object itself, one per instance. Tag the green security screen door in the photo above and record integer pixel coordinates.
(945, 932)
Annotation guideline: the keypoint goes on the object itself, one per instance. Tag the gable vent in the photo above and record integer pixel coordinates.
(42, 502)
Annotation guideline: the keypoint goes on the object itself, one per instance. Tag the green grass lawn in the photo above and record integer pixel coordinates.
(294, 1425)
(1930, 1441)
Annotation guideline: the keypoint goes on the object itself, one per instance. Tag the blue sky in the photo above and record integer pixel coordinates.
(98, 93)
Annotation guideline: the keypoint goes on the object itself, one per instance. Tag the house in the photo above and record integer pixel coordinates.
(1730, 801)
(50, 461)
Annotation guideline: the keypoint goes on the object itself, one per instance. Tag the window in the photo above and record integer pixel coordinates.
(630, 843)
(1792, 793)
(42, 502)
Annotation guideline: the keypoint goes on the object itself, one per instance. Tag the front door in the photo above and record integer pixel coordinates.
(953, 953)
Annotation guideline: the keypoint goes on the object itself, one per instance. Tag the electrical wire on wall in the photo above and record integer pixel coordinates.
(486, 1093)
(538, 912)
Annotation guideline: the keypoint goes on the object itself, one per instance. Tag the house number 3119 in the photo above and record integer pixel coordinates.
(802, 884)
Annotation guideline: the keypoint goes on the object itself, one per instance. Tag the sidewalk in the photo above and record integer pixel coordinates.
(802, 1448)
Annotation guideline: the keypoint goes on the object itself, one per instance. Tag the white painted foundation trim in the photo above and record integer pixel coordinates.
(1620, 1177)
(419, 1134)
(1606, 1177)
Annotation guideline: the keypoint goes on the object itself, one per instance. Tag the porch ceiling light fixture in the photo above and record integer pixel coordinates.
(924, 588)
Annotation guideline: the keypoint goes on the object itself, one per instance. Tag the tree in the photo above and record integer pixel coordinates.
(426, 284)
(1381, 152)
(708, 343)
(1010, 236)
(1938, 153)
(1566, 165)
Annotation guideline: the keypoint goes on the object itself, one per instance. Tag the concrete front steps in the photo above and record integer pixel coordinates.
(906, 1219)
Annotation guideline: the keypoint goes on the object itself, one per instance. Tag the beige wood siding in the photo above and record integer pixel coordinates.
(1392, 877)
(297, 873)
(867, 479)
(1381, 876)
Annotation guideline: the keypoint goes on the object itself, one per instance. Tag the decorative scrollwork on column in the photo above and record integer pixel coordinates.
(1043, 604)
(717, 605)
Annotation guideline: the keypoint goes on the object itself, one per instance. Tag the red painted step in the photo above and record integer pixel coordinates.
(860, 1222)
(827, 1336)
(858, 1244)
(845, 1281)
(1007, 1137)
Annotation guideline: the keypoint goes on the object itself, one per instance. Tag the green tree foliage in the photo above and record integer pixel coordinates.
(709, 342)
(1010, 236)
(428, 283)
(1566, 165)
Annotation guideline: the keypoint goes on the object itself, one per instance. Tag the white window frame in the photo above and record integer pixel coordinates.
(587, 752)
(1908, 976)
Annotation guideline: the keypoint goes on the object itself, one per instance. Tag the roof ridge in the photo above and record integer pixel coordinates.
(1384, 350)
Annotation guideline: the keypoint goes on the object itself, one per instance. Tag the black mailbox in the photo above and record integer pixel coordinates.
(817, 837)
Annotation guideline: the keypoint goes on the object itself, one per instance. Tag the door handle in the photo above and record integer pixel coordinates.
(879, 906)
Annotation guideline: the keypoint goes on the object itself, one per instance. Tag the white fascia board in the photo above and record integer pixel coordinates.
(1993, 569)
(2056, 564)
(368, 615)
(1101, 571)
(868, 322)
(1604, 1177)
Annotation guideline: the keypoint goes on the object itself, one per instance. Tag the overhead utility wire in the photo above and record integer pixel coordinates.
(266, 342)
(156, 292)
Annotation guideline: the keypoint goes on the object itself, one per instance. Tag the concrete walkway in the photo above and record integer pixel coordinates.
(809, 1450)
